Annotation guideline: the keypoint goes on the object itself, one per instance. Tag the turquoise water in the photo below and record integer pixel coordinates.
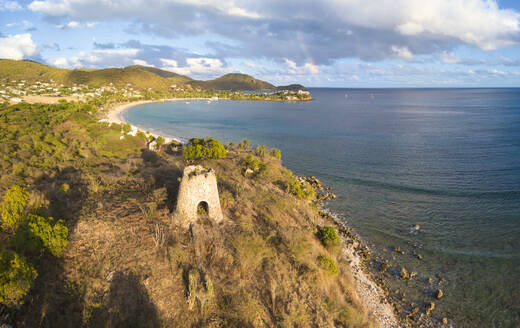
(446, 159)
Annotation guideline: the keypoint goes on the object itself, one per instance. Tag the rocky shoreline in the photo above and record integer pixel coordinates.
(367, 288)
(371, 273)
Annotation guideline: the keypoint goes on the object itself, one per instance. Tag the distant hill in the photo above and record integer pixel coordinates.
(291, 87)
(162, 73)
(234, 81)
(141, 77)
(30, 71)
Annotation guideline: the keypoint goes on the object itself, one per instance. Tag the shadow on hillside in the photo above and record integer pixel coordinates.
(66, 193)
(126, 305)
(162, 174)
(54, 302)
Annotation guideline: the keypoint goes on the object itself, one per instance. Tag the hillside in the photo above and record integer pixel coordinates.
(125, 261)
(140, 77)
(31, 71)
(174, 77)
(291, 87)
(119, 77)
(234, 81)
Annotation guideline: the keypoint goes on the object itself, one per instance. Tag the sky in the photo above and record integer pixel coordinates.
(318, 43)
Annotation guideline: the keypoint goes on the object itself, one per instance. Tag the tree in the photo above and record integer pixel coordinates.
(38, 232)
(204, 148)
(13, 207)
(159, 141)
(16, 278)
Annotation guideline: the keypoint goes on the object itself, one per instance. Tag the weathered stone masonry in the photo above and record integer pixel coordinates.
(197, 185)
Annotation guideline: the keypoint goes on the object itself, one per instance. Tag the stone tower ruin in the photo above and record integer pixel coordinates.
(198, 196)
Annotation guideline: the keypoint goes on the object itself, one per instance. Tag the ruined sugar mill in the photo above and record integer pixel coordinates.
(198, 196)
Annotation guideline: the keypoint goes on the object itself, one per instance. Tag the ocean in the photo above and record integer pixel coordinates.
(445, 159)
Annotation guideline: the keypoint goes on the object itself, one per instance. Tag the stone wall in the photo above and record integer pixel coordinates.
(197, 185)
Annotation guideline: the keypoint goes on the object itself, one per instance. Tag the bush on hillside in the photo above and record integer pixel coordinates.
(258, 167)
(16, 278)
(328, 264)
(37, 233)
(244, 145)
(329, 237)
(302, 191)
(204, 148)
(13, 207)
(260, 150)
(159, 141)
(276, 153)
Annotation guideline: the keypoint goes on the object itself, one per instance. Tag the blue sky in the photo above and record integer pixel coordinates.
(333, 43)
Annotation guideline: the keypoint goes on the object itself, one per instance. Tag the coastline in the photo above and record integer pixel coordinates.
(370, 293)
(112, 115)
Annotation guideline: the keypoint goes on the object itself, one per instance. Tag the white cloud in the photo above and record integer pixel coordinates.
(18, 46)
(53, 8)
(141, 62)
(97, 58)
(64, 62)
(104, 55)
(478, 22)
(69, 25)
(402, 52)
(202, 66)
(304, 69)
(72, 24)
(10, 6)
(448, 58)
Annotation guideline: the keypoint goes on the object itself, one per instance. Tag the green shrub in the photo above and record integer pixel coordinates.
(252, 163)
(175, 142)
(260, 150)
(37, 233)
(159, 141)
(328, 264)
(65, 188)
(204, 148)
(245, 144)
(256, 165)
(302, 191)
(276, 153)
(16, 278)
(13, 207)
(329, 237)
(127, 128)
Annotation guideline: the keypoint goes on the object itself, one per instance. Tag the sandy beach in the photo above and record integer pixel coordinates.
(113, 115)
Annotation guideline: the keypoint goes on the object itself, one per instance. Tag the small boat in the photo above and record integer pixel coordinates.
(346, 96)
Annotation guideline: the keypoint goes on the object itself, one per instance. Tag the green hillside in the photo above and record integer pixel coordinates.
(30, 71)
(234, 81)
(291, 87)
(162, 73)
(141, 77)
(120, 77)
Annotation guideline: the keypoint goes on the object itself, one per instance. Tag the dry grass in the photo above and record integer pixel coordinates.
(128, 264)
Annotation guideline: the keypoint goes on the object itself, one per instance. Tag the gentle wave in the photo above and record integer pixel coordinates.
(510, 195)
